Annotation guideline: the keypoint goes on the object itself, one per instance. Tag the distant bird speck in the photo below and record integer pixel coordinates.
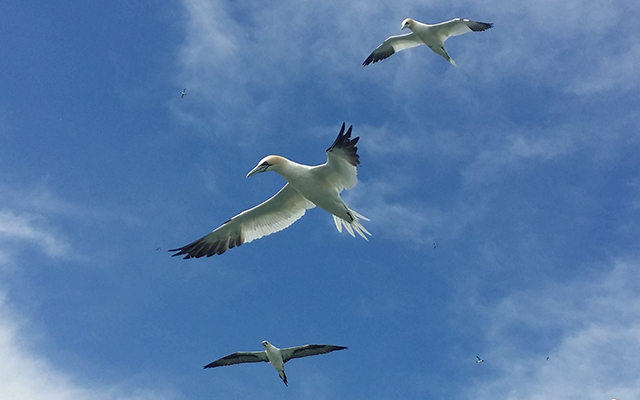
(435, 245)
(547, 358)
(183, 93)
(158, 248)
(479, 359)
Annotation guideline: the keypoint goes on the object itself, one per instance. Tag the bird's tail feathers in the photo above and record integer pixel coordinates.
(354, 226)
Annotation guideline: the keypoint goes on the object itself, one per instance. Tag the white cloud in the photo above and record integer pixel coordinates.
(40, 199)
(30, 217)
(413, 221)
(232, 53)
(504, 155)
(590, 330)
(615, 70)
(31, 228)
(512, 146)
(26, 375)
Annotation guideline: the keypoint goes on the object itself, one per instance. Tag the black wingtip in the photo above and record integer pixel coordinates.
(179, 252)
(481, 26)
(344, 142)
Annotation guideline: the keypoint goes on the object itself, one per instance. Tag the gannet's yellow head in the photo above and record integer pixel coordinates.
(266, 164)
(407, 23)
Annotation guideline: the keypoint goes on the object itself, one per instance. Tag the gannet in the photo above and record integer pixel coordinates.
(183, 93)
(307, 187)
(433, 36)
(275, 356)
(479, 359)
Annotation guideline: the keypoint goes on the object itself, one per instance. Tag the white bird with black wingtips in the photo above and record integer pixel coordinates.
(433, 36)
(307, 186)
(275, 356)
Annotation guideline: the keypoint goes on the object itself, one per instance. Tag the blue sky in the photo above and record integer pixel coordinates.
(521, 164)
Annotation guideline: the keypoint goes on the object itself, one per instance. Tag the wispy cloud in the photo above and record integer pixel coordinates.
(244, 64)
(41, 199)
(34, 216)
(614, 71)
(26, 375)
(32, 229)
(512, 148)
(589, 328)
(412, 220)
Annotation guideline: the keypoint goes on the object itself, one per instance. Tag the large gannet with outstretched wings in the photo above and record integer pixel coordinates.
(307, 186)
(275, 356)
(433, 36)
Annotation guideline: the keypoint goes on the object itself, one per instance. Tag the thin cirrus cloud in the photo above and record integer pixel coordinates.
(27, 375)
(591, 335)
(245, 63)
(417, 221)
(22, 227)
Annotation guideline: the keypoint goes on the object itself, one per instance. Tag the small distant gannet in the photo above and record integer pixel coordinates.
(433, 36)
(275, 356)
(183, 93)
(307, 187)
(479, 359)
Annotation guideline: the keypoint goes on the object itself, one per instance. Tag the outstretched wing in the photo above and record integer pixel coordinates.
(342, 159)
(392, 45)
(458, 26)
(273, 215)
(239, 358)
(308, 350)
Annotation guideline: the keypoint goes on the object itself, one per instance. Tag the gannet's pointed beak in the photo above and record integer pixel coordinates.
(259, 168)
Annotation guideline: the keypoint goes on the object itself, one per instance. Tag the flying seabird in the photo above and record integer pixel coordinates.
(275, 356)
(307, 186)
(183, 93)
(433, 36)
(479, 359)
